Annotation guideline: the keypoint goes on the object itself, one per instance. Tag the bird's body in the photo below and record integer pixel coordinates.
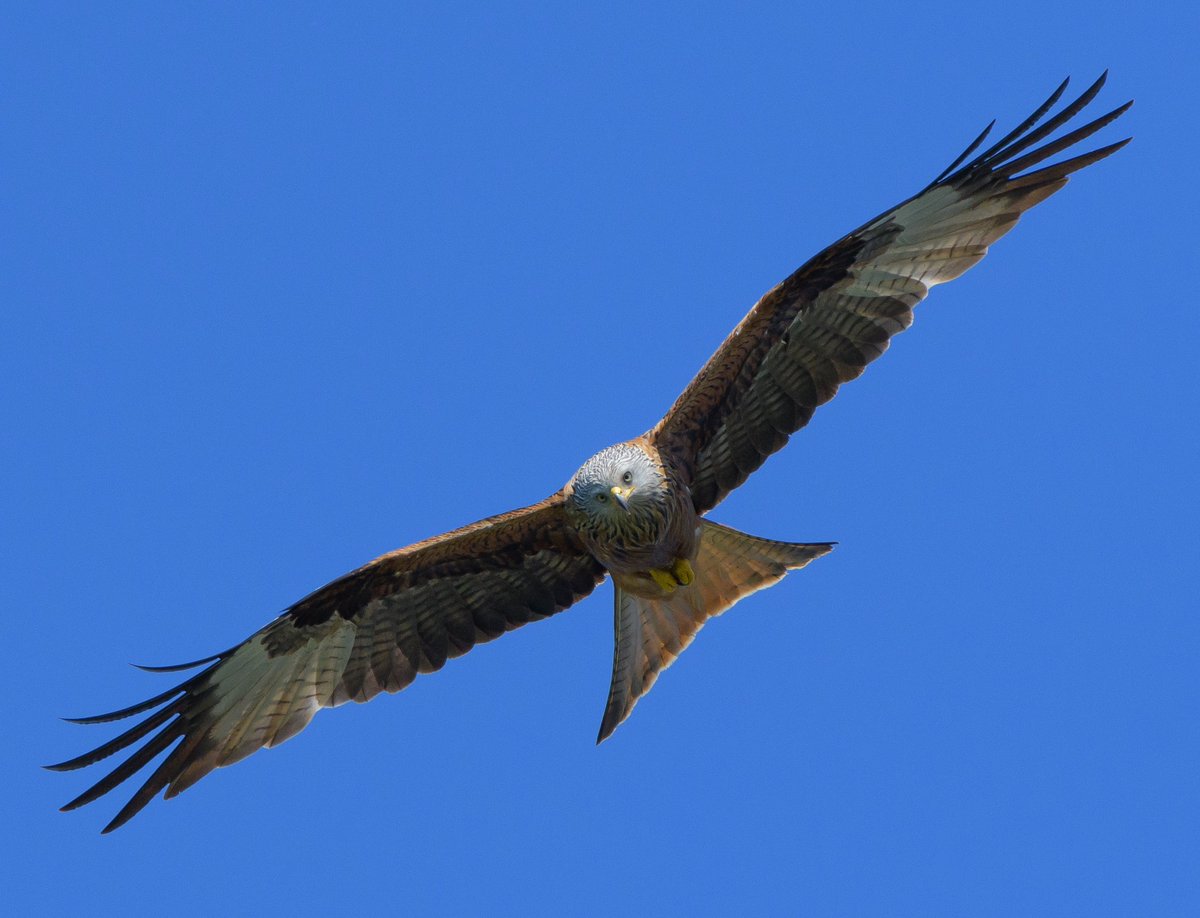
(636, 511)
(648, 523)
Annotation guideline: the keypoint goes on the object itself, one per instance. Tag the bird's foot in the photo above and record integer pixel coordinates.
(682, 569)
(680, 574)
(665, 579)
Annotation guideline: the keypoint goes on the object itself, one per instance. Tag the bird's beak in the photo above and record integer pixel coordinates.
(622, 496)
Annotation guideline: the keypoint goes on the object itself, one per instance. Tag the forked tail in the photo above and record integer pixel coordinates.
(651, 633)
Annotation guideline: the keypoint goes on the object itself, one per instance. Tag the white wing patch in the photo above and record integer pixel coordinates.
(255, 699)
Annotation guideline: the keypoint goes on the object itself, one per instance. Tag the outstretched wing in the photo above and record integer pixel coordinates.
(370, 631)
(837, 313)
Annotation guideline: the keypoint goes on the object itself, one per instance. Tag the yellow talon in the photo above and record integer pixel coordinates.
(666, 582)
(679, 574)
(683, 572)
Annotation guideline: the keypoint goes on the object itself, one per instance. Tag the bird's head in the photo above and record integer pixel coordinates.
(616, 483)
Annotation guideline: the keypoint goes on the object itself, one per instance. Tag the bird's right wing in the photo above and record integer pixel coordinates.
(825, 323)
(371, 631)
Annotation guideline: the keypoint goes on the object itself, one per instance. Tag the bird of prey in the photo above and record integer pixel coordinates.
(635, 511)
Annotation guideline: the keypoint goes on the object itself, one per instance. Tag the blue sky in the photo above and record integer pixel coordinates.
(285, 289)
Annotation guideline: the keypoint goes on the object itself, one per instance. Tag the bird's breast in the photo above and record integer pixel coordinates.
(647, 537)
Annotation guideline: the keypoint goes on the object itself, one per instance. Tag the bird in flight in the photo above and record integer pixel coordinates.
(635, 511)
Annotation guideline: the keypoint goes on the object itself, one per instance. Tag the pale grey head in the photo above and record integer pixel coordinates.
(619, 491)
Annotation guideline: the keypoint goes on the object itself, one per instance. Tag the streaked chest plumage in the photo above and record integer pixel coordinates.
(631, 510)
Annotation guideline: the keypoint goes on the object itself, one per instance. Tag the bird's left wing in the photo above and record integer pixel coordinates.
(372, 630)
(825, 323)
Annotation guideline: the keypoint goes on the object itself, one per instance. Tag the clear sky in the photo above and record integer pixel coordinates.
(283, 289)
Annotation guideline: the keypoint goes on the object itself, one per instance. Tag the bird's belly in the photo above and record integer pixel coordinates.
(633, 560)
(676, 542)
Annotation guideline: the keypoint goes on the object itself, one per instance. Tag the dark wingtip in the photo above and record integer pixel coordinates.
(132, 709)
(177, 667)
(1057, 94)
(608, 726)
(971, 148)
(115, 824)
(1096, 155)
(76, 803)
(98, 719)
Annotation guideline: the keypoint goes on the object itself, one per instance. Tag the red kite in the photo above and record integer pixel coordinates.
(635, 511)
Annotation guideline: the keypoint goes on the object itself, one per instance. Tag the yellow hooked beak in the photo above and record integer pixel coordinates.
(621, 495)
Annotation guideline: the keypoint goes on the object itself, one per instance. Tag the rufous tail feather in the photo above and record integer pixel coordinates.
(651, 633)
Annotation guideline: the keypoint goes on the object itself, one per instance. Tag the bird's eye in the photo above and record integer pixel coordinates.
(601, 496)
(627, 477)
